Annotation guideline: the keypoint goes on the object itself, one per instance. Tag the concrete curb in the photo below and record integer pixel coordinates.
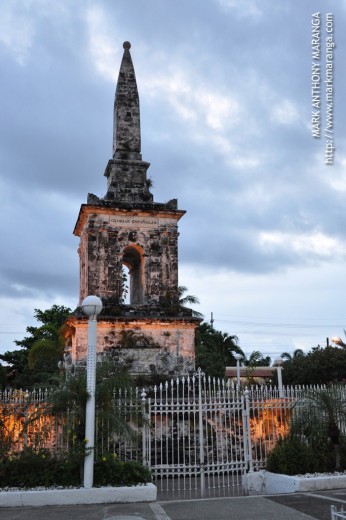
(266, 483)
(62, 497)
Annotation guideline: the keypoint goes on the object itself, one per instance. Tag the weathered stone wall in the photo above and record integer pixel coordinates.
(145, 346)
(110, 239)
(127, 181)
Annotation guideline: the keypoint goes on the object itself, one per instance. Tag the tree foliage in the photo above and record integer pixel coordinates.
(188, 299)
(319, 366)
(256, 359)
(72, 396)
(214, 350)
(315, 442)
(297, 353)
(319, 416)
(36, 360)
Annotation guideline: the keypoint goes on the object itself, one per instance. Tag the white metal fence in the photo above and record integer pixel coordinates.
(337, 515)
(193, 432)
(202, 427)
(23, 422)
(26, 421)
(195, 429)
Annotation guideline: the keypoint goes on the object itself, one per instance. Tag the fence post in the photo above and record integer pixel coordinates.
(201, 435)
(247, 429)
(333, 511)
(145, 458)
(26, 416)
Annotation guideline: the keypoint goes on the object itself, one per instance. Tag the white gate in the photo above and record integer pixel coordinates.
(197, 435)
(337, 515)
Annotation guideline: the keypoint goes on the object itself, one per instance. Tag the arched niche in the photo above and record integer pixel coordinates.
(133, 260)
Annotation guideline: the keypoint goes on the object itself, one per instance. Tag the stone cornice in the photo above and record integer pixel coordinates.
(139, 210)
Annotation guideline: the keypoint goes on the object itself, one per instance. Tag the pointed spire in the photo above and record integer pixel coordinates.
(126, 130)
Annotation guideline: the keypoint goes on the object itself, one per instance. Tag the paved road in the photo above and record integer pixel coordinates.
(305, 506)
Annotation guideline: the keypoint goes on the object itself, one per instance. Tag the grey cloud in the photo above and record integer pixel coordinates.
(28, 283)
(56, 133)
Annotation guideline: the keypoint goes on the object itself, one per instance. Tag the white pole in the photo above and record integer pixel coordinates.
(144, 430)
(247, 440)
(238, 358)
(92, 306)
(278, 362)
(90, 405)
(279, 370)
(201, 436)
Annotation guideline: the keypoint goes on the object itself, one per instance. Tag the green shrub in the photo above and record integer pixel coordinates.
(291, 456)
(29, 469)
(110, 471)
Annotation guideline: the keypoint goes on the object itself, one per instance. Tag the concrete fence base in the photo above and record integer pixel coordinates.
(63, 497)
(266, 483)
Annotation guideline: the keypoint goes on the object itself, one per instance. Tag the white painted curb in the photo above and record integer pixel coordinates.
(266, 483)
(63, 497)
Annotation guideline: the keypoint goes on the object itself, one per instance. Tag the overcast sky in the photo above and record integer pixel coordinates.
(226, 109)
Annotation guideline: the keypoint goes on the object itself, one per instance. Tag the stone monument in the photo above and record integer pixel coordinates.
(142, 323)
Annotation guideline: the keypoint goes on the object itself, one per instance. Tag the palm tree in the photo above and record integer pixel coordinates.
(320, 414)
(189, 299)
(286, 356)
(71, 397)
(256, 359)
(215, 350)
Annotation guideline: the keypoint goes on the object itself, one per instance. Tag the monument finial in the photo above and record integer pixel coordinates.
(126, 129)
